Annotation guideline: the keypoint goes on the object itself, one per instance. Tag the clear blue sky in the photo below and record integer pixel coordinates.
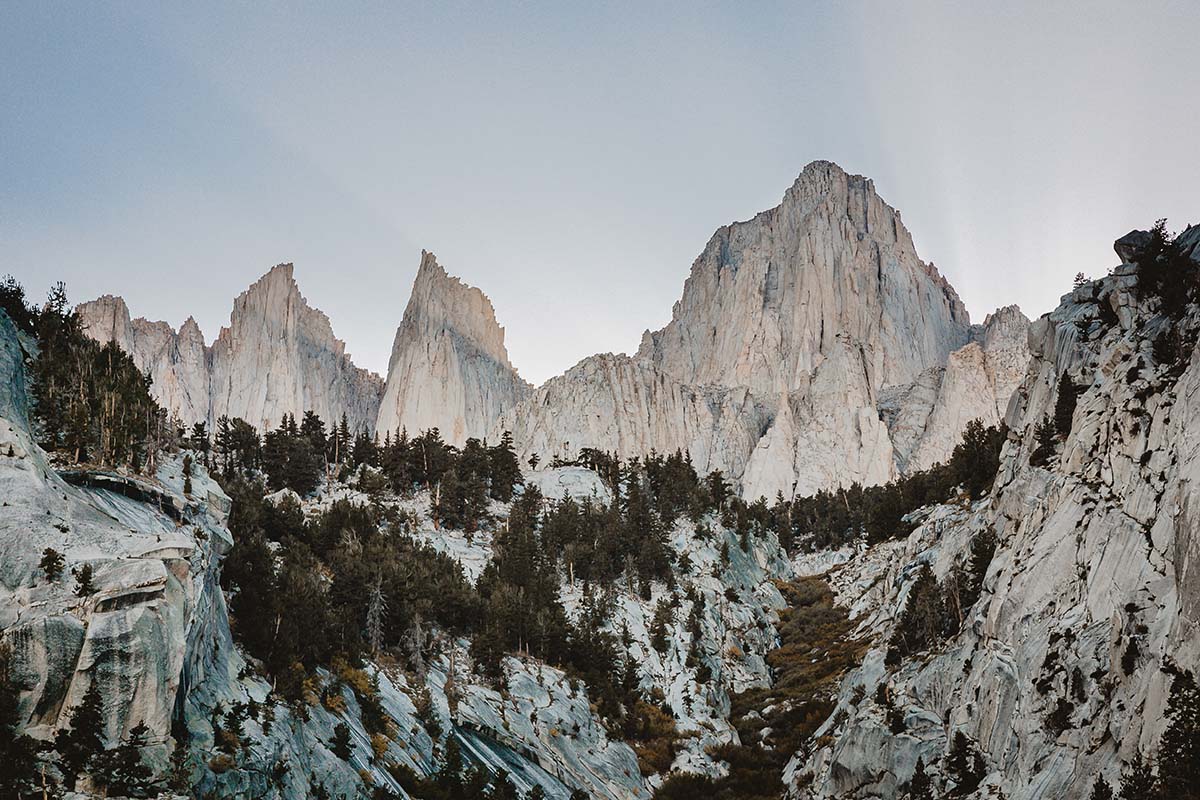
(571, 159)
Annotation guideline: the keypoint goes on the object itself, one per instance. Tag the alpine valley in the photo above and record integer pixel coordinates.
(821, 536)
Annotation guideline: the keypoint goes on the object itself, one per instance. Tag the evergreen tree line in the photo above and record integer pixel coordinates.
(78, 749)
(296, 456)
(935, 610)
(455, 781)
(833, 518)
(91, 403)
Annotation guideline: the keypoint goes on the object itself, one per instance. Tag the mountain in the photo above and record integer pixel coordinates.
(177, 362)
(278, 356)
(1061, 672)
(1023, 640)
(449, 368)
(811, 348)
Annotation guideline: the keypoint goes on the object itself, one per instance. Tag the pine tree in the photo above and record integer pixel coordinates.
(1138, 782)
(964, 764)
(1064, 405)
(660, 626)
(340, 745)
(18, 764)
(920, 787)
(83, 580)
(187, 475)
(1043, 434)
(1101, 790)
(1179, 749)
(84, 740)
(121, 770)
(376, 614)
(52, 563)
(223, 445)
(504, 469)
(198, 440)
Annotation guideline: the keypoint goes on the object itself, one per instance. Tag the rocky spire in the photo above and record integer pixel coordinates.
(177, 363)
(278, 356)
(449, 368)
(769, 298)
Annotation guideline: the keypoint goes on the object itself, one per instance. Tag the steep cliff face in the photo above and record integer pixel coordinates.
(811, 348)
(624, 405)
(926, 418)
(449, 368)
(769, 300)
(278, 356)
(154, 553)
(1061, 670)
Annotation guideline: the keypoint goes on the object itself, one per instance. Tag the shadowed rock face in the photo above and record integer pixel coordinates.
(278, 356)
(449, 368)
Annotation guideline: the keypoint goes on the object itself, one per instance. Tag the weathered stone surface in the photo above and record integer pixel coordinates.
(278, 356)
(811, 348)
(449, 368)
(929, 416)
(176, 362)
(769, 300)
(621, 404)
(1095, 550)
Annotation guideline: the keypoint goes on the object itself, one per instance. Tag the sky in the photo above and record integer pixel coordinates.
(571, 159)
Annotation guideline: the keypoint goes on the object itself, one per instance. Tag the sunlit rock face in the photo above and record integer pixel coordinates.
(621, 404)
(1062, 669)
(449, 368)
(770, 299)
(926, 418)
(278, 356)
(811, 348)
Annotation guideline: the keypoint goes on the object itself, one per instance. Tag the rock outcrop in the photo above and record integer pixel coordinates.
(926, 418)
(154, 553)
(278, 356)
(177, 362)
(769, 300)
(621, 404)
(811, 348)
(449, 368)
(1061, 670)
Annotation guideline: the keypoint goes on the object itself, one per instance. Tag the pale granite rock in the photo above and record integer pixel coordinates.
(1096, 550)
(449, 368)
(624, 405)
(278, 356)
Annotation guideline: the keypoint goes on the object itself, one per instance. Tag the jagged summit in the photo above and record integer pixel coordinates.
(449, 368)
(811, 347)
(441, 298)
(768, 299)
(277, 356)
